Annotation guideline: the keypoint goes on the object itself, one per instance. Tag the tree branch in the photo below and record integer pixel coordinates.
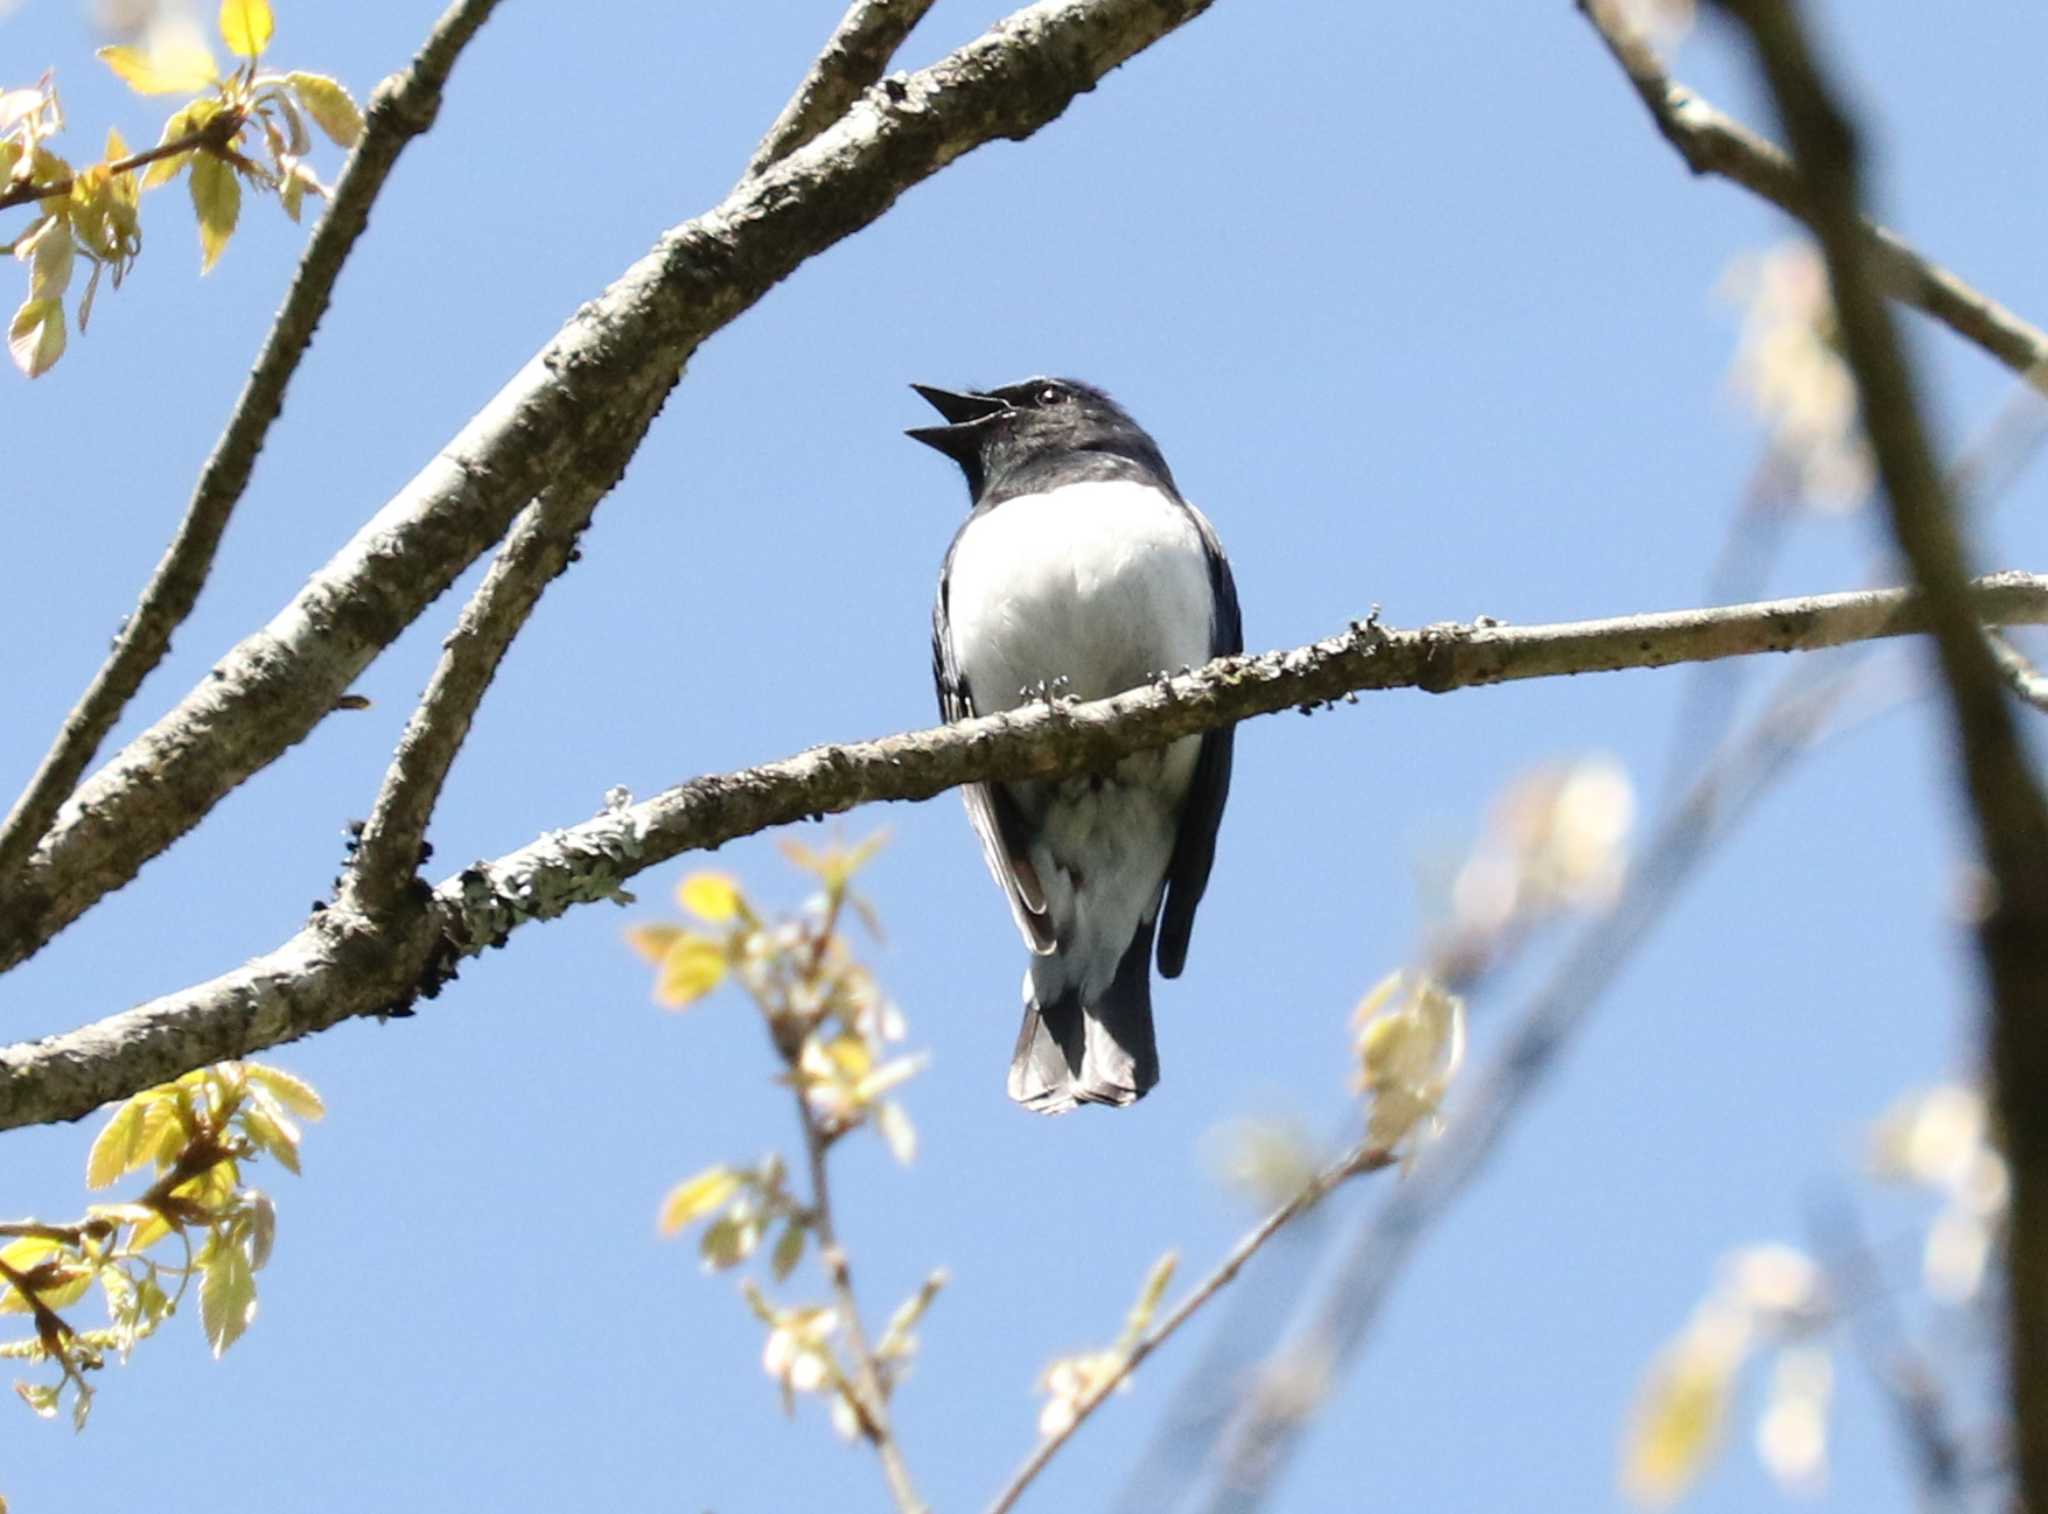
(595, 385)
(859, 50)
(1712, 143)
(343, 964)
(1359, 1160)
(1997, 771)
(402, 108)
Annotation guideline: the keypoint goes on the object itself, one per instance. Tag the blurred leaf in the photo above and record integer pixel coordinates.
(55, 257)
(789, 1249)
(697, 1197)
(217, 200)
(712, 897)
(691, 969)
(1677, 1424)
(262, 1230)
(35, 339)
(227, 1293)
(897, 1339)
(652, 942)
(41, 1397)
(729, 1241)
(1156, 1282)
(245, 25)
(148, 75)
(330, 106)
(897, 1130)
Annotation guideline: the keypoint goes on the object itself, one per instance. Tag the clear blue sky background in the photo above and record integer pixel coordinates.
(1421, 309)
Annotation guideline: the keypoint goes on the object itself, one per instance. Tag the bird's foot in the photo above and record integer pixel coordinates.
(1050, 692)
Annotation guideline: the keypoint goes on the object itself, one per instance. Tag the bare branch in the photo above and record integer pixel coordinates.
(1360, 1159)
(1712, 143)
(1997, 771)
(594, 387)
(343, 965)
(403, 107)
(540, 547)
(859, 50)
(2021, 676)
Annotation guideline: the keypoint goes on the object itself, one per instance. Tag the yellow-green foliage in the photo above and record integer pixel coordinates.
(195, 1135)
(245, 126)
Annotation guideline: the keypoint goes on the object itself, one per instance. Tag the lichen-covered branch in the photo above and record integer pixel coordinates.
(593, 388)
(1997, 771)
(1713, 143)
(345, 964)
(403, 107)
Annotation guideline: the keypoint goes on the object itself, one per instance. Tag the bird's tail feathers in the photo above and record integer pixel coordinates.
(1070, 1052)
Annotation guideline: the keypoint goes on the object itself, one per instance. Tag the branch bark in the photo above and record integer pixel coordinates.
(345, 964)
(593, 388)
(403, 107)
(1713, 143)
(852, 61)
(1997, 772)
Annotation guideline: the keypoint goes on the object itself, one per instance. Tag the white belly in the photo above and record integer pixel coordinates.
(1102, 584)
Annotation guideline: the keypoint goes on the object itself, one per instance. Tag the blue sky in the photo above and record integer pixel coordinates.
(1422, 312)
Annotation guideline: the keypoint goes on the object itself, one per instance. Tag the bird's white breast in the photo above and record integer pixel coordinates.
(1103, 584)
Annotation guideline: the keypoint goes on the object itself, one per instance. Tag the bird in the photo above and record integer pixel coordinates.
(1080, 572)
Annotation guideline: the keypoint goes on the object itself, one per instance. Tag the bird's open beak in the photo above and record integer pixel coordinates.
(969, 415)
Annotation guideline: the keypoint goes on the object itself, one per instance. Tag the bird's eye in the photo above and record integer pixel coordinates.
(1049, 395)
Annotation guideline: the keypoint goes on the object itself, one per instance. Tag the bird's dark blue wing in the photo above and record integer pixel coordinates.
(1194, 848)
(994, 814)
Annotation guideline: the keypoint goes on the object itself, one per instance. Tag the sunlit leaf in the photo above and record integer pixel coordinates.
(41, 1397)
(652, 942)
(789, 1249)
(697, 1197)
(276, 1135)
(217, 200)
(262, 1230)
(245, 25)
(691, 969)
(295, 1093)
(729, 1241)
(35, 338)
(1154, 1289)
(330, 106)
(1677, 1424)
(118, 1147)
(147, 74)
(227, 1294)
(898, 1132)
(711, 897)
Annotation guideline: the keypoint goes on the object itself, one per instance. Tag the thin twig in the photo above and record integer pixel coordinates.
(216, 133)
(1359, 1160)
(1488, 1105)
(340, 966)
(852, 60)
(402, 107)
(1712, 143)
(2019, 672)
(1997, 772)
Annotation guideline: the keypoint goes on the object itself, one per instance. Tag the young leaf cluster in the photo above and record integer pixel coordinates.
(247, 126)
(831, 1027)
(195, 1135)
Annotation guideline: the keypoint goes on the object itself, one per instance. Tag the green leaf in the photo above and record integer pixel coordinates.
(729, 1241)
(330, 106)
(262, 1230)
(55, 256)
(227, 1293)
(35, 339)
(246, 25)
(217, 200)
(41, 1397)
(274, 1133)
(699, 1196)
(652, 942)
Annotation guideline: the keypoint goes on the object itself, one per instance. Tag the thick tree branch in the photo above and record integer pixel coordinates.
(1712, 143)
(403, 107)
(593, 387)
(344, 964)
(852, 61)
(1997, 771)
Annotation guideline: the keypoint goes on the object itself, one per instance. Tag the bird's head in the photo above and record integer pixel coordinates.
(994, 432)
